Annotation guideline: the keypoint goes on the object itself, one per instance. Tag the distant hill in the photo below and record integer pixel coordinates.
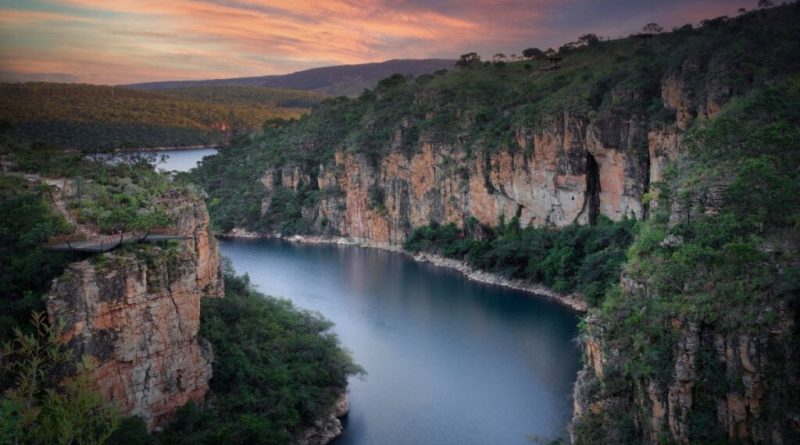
(342, 80)
(94, 116)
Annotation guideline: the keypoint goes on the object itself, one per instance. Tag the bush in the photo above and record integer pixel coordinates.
(586, 259)
(277, 369)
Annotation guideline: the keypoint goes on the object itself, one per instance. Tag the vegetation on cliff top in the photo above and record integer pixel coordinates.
(26, 222)
(722, 254)
(484, 106)
(106, 117)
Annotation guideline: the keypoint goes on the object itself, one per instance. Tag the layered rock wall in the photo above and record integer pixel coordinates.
(547, 183)
(136, 312)
(568, 169)
(732, 388)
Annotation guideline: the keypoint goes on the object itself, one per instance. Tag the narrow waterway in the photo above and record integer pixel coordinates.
(450, 361)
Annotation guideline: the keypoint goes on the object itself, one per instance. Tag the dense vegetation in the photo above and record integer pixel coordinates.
(106, 117)
(277, 369)
(481, 106)
(585, 259)
(26, 223)
(729, 266)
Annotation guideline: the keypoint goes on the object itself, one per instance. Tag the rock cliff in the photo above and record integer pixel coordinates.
(571, 169)
(565, 168)
(136, 311)
(716, 383)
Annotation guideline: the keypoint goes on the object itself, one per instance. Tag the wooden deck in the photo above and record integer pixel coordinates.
(107, 243)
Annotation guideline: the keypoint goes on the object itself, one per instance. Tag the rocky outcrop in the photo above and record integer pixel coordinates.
(571, 171)
(569, 168)
(137, 313)
(718, 385)
(328, 428)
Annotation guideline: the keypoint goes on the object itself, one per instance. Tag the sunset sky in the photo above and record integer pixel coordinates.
(124, 41)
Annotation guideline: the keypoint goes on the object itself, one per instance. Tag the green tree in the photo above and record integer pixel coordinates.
(532, 53)
(468, 60)
(36, 407)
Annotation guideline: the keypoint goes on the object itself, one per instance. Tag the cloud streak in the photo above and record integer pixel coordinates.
(120, 41)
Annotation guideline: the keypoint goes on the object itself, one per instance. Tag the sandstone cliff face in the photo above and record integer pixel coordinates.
(742, 384)
(138, 315)
(570, 169)
(549, 182)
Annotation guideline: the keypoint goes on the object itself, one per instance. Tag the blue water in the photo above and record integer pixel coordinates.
(450, 361)
(182, 160)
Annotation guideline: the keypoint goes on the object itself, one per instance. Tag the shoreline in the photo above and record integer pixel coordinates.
(179, 148)
(572, 301)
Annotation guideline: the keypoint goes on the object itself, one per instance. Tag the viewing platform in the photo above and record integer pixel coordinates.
(100, 244)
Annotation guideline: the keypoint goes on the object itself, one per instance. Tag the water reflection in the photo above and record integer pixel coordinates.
(449, 361)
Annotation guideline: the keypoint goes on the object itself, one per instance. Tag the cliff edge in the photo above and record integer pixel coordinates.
(136, 311)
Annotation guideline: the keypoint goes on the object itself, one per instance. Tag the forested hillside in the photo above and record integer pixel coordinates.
(693, 329)
(340, 80)
(105, 117)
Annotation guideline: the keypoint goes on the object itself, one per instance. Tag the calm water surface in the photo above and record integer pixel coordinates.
(450, 361)
(182, 160)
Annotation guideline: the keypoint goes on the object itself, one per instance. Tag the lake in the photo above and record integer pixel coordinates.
(449, 361)
(182, 160)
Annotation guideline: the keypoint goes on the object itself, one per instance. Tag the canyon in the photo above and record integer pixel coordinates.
(569, 165)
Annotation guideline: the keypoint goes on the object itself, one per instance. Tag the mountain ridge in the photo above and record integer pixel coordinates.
(337, 80)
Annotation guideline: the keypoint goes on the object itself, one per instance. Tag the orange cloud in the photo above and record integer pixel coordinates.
(119, 41)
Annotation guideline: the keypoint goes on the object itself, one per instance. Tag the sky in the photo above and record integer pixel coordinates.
(126, 41)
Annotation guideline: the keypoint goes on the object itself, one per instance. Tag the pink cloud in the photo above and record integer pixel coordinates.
(135, 40)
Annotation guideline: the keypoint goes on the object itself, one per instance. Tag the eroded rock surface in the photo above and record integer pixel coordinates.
(138, 314)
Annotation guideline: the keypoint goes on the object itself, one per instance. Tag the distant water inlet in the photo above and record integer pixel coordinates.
(449, 361)
(181, 160)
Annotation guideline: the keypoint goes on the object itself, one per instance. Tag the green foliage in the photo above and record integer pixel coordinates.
(36, 408)
(586, 259)
(26, 223)
(132, 431)
(482, 109)
(276, 370)
(725, 263)
(105, 117)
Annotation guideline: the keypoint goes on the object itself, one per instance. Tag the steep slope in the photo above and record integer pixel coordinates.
(694, 132)
(137, 313)
(494, 142)
(340, 80)
(700, 342)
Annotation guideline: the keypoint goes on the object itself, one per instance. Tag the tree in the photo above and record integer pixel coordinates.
(468, 60)
(588, 39)
(532, 53)
(37, 409)
(652, 28)
(764, 4)
(499, 57)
